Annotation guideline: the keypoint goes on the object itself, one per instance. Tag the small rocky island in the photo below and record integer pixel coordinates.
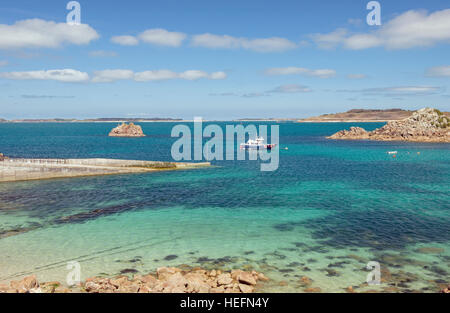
(425, 125)
(127, 130)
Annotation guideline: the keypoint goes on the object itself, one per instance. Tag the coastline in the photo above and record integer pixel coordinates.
(397, 139)
(196, 279)
(183, 279)
(344, 121)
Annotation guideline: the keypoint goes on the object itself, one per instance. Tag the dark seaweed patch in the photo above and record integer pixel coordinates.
(16, 231)
(225, 259)
(277, 254)
(128, 271)
(383, 228)
(338, 264)
(331, 272)
(300, 244)
(86, 216)
(439, 271)
(293, 264)
(204, 259)
(285, 270)
(171, 257)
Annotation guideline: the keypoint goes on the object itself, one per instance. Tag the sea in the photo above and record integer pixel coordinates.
(334, 214)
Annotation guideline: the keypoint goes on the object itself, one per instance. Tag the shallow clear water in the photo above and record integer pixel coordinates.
(331, 207)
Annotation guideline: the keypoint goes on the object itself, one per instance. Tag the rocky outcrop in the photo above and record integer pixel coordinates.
(2, 157)
(127, 130)
(353, 133)
(425, 125)
(166, 280)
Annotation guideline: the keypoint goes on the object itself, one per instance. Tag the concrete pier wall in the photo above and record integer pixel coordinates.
(32, 169)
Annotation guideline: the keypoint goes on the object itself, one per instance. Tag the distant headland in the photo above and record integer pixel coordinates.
(92, 120)
(363, 115)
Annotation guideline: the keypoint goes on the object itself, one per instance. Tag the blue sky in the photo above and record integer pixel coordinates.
(221, 59)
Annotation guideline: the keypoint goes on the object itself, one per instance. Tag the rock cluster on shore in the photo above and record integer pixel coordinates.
(352, 133)
(2, 157)
(425, 125)
(127, 130)
(166, 280)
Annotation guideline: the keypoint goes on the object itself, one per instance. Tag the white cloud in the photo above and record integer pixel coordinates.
(321, 73)
(215, 41)
(218, 75)
(356, 76)
(224, 94)
(193, 75)
(242, 95)
(111, 75)
(64, 75)
(409, 30)
(167, 74)
(273, 44)
(294, 88)
(330, 40)
(102, 53)
(155, 75)
(125, 40)
(107, 76)
(157, 36)
(162, 37)
(46, 97)
(291, 89)
(404, 90)
(37, 33)
(398, 91)
(438, 71)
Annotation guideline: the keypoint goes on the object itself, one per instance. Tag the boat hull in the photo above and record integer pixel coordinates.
(257, 147)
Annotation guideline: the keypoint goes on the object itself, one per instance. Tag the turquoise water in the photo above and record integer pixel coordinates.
(331, 207)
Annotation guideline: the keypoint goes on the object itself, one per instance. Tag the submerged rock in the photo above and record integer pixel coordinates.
(312, 290)
(127, 130)
(305, 281)
(171, 257)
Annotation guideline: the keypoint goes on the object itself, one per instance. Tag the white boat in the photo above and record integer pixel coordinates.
(392, 152)
(257, 143)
